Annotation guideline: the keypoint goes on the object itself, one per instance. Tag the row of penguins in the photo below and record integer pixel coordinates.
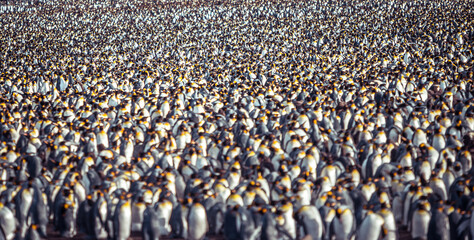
(256, 119)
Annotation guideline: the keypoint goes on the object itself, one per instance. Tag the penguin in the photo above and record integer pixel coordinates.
(197, 222)
(438, 187)
(438, 141)
(179, 218)
(269, 226)
(23, 203)
(250, 229)
(8, 223)
(216, 218)
(32, 233)
(151, 228)
(83, 215)
(98, 216)
(235, 199)
(408, 195)
(439, 227)
(309, 222)
(232, 223)
(39, 212)
(67, 220)
(420, 222)
(327, 214)
(329, 171)
(34, 166)
(122, 223)
(389, 225)
(138, 208)
(343, 225)
(289, 225)
(371, 227)
(164, 210)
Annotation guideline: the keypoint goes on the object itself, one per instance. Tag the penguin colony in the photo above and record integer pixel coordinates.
(243, 119)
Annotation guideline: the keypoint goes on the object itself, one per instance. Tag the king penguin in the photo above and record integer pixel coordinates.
(197, 222)
(439, 227)
(343, 225)
(23, 202)
(151, 224)
(310, 222)
(123, 220)
(32, 233)
(420, 222)
(371, 227)
(8, 224)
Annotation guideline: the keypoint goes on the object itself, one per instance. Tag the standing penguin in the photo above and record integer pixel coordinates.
(32, 233)
(389, 222)
(98, 217)
(309, 218)
(138, 208)
(123, 219)
(439, 225)
(289, 225)
(420, 222)
(38, 212)
(164, 210)
(83, 216)
(197, 222)
(327, 214)
(178, 220)
(239, 224)
(232, 223)
(65, 211)
(216, 215)
(67, 220)
(343, 225)
(269, 229)
(23, 202)
(371, 227)
(7, 222)
(151, 224)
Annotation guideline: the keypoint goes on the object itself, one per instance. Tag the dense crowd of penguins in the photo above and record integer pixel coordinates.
(310, 119)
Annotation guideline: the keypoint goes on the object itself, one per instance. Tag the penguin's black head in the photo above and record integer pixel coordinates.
(457, 167)
(66, 192)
